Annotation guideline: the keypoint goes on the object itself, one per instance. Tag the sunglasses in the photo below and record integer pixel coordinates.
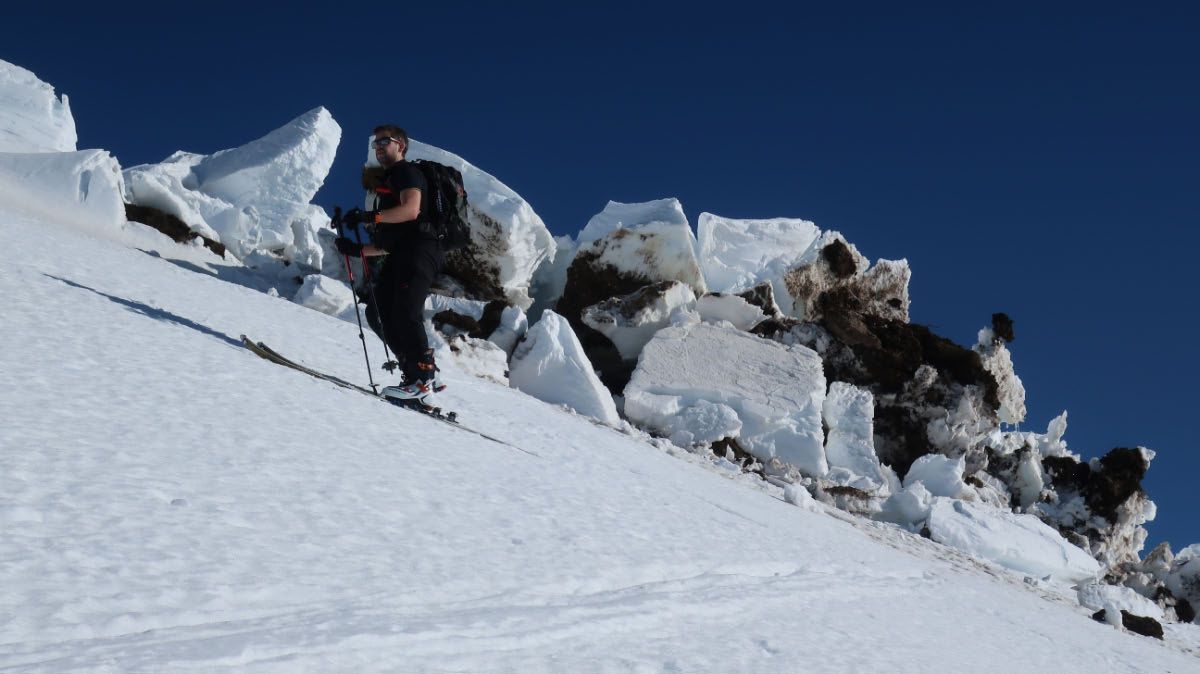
(383, 142)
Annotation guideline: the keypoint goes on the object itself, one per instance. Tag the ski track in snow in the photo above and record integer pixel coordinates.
(171, 502)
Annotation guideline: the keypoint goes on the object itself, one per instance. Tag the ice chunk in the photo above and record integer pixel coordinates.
(941, 475)
(327, 296)
(617, 215)
(849, 414)
(777, 391)
(254, 197)
(1018, 542)
(1098, 596)
(908, 507)
(735, 255)
(631, 321)
(513, 326)
(735, 310)
(550, 365)
(32, 118)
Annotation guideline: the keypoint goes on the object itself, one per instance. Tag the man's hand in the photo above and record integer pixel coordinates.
(348, 247)
(359, 216)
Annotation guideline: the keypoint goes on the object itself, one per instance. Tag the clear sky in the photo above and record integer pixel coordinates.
(1042, 159)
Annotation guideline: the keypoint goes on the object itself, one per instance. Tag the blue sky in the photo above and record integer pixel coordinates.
(1039, 161)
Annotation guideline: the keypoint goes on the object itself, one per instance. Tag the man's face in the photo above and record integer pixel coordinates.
(388, 150)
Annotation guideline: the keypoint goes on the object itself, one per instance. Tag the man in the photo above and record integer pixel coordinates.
(414, 258)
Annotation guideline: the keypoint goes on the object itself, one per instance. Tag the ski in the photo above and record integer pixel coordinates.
(450, 418)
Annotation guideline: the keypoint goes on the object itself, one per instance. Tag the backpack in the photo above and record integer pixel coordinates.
(445, 205)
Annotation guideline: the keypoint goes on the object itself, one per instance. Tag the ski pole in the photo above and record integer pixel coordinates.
(358, 315)
(389, 364)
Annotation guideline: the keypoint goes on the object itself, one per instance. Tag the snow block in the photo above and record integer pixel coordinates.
(941, 475)
(83, 189)
(776, 391)
(254, 197)
(849, 413)
(32, 118)
(631, 321)
(657, 245)
(1021, 543)
(736, 255)
(733, 309)
(327, 296)
(550, 365)
(1098, 596)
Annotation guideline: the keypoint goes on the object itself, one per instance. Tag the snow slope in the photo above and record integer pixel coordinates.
(169, 502)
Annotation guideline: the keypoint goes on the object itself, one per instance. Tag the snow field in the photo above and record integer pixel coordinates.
(172, 502)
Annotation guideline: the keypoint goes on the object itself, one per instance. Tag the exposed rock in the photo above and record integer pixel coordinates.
(1102, 501)
(631, 320)
(170, 225)
(1002, 327)
(455, 321)
(477, 266)
(763, 297)
(880, 291)
(1147, 627)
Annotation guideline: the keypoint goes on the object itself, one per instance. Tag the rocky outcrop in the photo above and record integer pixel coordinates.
(839, 278)
(171, 226)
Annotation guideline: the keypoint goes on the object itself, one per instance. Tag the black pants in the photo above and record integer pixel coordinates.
(400, 292)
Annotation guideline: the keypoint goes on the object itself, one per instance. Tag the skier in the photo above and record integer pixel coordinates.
(414, 258)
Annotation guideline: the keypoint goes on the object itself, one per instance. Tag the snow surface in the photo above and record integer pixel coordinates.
(83, 188)
(32, 118)
(1019, 542)
(551, 366)
(776, 391)
(200, 509)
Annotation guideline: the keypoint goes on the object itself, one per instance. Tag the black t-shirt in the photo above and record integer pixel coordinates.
(397, 178)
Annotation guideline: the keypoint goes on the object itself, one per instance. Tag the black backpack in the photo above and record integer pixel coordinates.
(445, 204)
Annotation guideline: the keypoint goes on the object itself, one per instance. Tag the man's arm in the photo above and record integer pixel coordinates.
(406, 211)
